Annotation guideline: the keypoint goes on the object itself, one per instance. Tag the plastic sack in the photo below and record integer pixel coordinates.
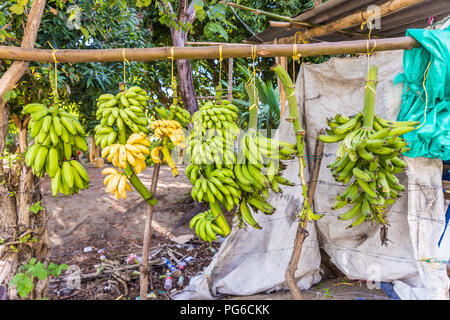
(432, 139)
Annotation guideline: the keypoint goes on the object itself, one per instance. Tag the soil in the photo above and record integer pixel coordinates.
(94, 233)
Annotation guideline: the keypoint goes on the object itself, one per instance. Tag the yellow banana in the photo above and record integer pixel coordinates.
(122, 184)
(109, 171)
(132, 148)
(107, 179)
(130, 158)
(122, 157)
(154, 154)
(142, 148)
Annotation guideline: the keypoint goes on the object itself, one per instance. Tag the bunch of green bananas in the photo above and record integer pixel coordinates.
(215, 146)
(120, 116)
(206, 226)
(222, 175)
(258, 170)
(371, 157)
(175, 112)
(70, 177)
(219, 115)
(58, 135)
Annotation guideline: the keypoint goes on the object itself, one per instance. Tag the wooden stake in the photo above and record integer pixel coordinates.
(230, 79)
(143, 281)
(301, 234)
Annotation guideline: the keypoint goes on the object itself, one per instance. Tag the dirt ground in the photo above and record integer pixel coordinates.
(94, 234)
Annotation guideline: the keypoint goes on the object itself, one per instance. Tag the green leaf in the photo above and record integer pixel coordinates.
(17, 9)
(23, 284)
(24, 287)
(85, 32)
(36, 207)
(38, 271)
(9, 95)
(214, 28)
(22, 2)
(143, 3)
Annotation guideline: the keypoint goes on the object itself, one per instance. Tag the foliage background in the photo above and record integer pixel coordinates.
(103, 24)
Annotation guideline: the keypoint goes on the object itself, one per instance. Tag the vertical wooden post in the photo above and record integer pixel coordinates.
(230, 79)
(144, 272)
(301, 230)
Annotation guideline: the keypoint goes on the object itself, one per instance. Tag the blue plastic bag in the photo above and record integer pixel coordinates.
(432, 139)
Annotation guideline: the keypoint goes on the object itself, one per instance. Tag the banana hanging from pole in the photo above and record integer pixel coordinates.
(369, 157)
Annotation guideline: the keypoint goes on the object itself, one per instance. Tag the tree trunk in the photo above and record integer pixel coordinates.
(186, 14)
(15, 209)
(4, 121)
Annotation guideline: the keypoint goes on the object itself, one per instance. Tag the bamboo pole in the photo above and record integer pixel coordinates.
(359, 17)
(293, 25)
(212, 52)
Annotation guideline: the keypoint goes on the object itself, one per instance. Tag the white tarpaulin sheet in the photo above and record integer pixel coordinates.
(255, 261)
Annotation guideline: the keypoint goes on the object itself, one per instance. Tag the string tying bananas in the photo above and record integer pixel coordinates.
(369, 151)
(58, 135)
(224, 176)
(116, 183)
(133, 152)
(121, 115)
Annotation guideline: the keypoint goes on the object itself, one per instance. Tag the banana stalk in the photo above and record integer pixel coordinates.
(254, 104)
(139, 186)
(369, 97)
(168, 157)
(294, 117)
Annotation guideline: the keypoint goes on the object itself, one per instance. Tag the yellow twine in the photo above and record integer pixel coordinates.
(295, 55)
(253, 75)
(369, 52)
(426, 95)
(55, 91)
(124, 66)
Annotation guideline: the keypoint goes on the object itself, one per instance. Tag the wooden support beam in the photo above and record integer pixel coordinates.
(293, 25)
(359, 17)
(228, 51)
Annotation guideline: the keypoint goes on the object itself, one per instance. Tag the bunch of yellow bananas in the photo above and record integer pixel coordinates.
(170, 128)
(133, 152)
(116, 183)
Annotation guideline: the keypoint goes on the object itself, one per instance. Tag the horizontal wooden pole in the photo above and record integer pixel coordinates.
(209, 52)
